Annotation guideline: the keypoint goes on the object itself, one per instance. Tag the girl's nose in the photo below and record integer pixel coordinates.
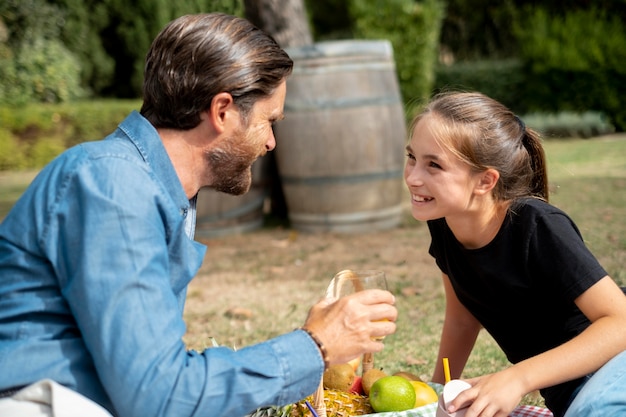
(412, 176)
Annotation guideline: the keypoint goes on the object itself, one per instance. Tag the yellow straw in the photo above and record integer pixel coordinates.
(446, 369)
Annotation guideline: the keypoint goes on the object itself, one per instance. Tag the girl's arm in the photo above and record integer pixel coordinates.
(605, 306)
(460, 329)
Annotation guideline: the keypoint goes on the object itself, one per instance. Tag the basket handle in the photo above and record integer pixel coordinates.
(318, 400)
(367, 362)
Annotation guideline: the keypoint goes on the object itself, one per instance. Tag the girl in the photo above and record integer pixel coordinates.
(513, 264)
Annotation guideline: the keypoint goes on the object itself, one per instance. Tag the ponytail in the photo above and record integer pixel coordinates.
(539, 182)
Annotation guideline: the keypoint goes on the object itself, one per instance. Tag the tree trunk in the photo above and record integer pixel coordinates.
(285, 20)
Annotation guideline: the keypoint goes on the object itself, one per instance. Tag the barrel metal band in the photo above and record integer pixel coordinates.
(342, 179)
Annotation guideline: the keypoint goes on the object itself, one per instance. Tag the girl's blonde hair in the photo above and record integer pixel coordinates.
(485, 134)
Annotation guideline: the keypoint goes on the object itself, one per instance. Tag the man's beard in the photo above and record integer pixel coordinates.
(231, 166)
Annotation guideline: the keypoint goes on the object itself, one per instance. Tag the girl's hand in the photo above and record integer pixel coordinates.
(493, 395)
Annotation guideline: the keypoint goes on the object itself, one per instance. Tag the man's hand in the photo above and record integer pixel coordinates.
(348, 326)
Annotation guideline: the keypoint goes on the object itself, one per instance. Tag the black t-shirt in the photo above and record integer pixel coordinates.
(522, 285)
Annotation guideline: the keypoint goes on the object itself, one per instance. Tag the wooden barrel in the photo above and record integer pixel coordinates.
(340, 149)
(220, 214)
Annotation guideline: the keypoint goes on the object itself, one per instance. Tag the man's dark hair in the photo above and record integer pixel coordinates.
(198, 56)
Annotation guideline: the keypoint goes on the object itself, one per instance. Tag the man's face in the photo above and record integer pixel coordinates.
(231, 159)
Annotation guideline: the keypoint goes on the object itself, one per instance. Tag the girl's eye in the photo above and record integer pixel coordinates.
(432, 164)
(410, 156)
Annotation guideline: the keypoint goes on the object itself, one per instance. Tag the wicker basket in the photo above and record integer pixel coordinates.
(319, 405)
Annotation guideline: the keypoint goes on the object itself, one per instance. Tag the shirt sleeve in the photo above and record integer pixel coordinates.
(116, 249)
(557, 247)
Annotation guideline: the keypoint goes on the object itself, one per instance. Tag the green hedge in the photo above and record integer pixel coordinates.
(34, 134)
(42, 70)
(549, 101)
(413, 29)
(551, 91)
(500, 79)
(556, 89)
(574, 62)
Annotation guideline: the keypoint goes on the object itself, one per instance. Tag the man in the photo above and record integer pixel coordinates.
(96, 256)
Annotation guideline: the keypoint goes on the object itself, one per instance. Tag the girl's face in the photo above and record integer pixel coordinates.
(441, 185)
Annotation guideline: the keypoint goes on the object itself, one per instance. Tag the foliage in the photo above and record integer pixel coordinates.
(34, 63)
(29, 20)
(16, 154)
(569, 124)
(75, 23)
(131, 30)
(500, 79)
(33, 134)
(10, 153)
(578, 41)
(132, 27)
(107, 39)
(330, 19)
(413, 29)
(574, 62)
(42, 70)
(81, 33)
(479, 29)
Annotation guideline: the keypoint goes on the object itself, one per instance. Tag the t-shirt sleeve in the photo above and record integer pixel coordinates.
(557, 248)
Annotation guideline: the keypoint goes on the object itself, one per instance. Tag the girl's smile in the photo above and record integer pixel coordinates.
(440, 184)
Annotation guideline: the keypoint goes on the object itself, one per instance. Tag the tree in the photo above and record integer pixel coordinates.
(132, 26)
(80, 33)
(34, 64)
(285, 20)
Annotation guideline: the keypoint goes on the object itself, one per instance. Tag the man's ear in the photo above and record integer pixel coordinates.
(487, 180)
(222, 106)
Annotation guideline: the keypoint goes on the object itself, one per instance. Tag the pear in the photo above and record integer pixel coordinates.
(371, 376)
(339, 377)
(408, 375)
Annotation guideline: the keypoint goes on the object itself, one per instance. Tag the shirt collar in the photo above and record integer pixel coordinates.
(148, 143)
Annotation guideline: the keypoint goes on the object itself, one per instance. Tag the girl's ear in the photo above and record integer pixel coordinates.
(222, 107)
(487, 180)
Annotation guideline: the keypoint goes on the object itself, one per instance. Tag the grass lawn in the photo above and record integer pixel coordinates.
(588, 181)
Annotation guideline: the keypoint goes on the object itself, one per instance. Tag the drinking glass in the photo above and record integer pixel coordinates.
(348, 282)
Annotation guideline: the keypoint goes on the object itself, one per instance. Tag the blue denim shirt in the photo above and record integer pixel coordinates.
(95, 259)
